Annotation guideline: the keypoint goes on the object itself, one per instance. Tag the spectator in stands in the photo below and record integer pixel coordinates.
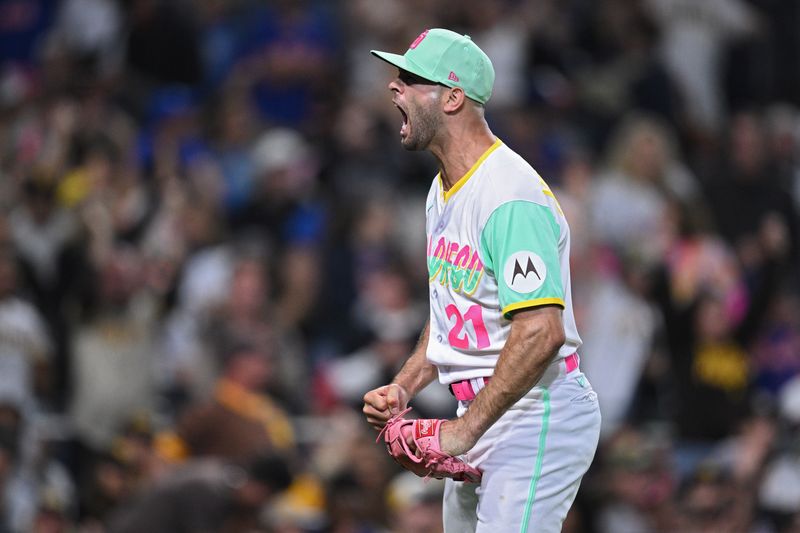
(210, 495)
(643, 172)
(745, 195)
(710, 334)
(114, 353)
(241, 420)
(693, 39)
(25, 342)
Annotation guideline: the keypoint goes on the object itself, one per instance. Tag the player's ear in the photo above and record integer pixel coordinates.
(454, 99)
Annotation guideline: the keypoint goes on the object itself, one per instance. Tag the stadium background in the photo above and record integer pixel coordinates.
(212, 244)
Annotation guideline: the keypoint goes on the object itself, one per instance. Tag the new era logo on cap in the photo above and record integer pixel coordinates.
(452, 76)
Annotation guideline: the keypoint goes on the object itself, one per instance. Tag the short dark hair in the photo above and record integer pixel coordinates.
(233, 347)
(270, 470)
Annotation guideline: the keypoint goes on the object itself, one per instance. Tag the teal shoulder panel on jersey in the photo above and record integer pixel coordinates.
(519, 246)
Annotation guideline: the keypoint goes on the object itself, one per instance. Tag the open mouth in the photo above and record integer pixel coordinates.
(404, 125)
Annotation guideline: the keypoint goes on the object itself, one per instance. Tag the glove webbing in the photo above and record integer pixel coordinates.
(409, 453)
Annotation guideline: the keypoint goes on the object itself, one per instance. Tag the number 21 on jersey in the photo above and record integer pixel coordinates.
(458, 337)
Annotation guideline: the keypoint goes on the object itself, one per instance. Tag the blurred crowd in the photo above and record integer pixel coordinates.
(212, 244)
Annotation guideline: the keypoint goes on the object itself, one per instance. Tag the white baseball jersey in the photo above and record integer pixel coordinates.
(497, 242)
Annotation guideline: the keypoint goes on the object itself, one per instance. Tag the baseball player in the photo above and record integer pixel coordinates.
(501, 332)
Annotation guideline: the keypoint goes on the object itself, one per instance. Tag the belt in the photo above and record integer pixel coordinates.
(467, 389)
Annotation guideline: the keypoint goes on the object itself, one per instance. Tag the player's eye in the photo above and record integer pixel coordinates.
(412, 79)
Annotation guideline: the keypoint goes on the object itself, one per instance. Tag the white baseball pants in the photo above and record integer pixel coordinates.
(532, 458)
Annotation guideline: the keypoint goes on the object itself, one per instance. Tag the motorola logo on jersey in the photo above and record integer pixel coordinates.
(524, 272)
(528, 269)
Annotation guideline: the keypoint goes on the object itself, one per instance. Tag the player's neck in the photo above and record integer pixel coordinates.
(458, 151)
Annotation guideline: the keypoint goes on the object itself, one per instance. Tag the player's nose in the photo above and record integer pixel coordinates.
(395, 85)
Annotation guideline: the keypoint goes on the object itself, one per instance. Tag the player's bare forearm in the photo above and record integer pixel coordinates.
(417, 372)
(536, 335)
(384, 402)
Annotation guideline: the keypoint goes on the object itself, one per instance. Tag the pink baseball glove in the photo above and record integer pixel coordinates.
(428, 460)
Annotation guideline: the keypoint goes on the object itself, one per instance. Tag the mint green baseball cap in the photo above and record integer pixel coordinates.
(449, 58)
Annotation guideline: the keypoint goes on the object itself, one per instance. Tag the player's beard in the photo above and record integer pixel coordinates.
(423, 124)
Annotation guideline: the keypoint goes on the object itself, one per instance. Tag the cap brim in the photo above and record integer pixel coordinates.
(400, 62)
